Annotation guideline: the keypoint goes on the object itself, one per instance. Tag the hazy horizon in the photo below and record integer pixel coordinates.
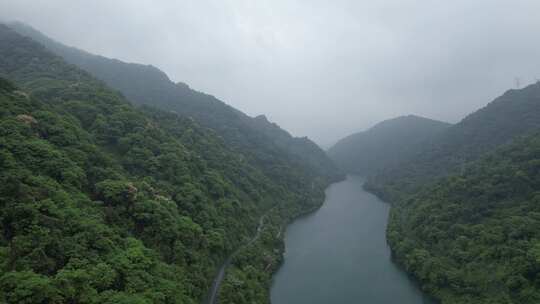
(322, 70)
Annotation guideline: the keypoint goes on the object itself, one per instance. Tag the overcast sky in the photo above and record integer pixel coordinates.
(322, 69)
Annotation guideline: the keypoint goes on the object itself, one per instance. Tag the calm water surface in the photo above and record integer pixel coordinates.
(339, 254)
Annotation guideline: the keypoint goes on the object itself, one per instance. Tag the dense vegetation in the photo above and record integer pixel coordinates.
(515, 113)
(475, 237)
(386, 144)
(291, 163)
(102, 202)
(465, 218)
(263, 143)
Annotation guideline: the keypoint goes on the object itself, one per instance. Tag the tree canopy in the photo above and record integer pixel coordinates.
(103, 202)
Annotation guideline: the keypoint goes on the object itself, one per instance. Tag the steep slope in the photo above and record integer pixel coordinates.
(475, 237)
(386, 144)
(464, 218)
(515, 113)
(258, 139)
(102, 202)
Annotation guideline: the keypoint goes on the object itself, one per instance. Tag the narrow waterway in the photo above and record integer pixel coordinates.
(339, 254)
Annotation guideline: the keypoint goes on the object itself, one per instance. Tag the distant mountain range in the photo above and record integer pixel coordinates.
(147, 85)
(515, 113)
(384, 145)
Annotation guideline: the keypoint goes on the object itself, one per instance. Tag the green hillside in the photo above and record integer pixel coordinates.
(102, 202)
(515, 113)
(386, 144)
(258, 139)
(464, 220)
(475, 237)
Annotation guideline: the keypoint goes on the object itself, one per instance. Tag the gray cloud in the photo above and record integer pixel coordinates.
(318, 68)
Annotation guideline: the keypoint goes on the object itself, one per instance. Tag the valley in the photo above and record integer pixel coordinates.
(119, 184)
(328, 262)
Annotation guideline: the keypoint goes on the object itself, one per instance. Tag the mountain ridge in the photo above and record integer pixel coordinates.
(139, 203)
(385, 144)
(145, 84)
(514, 113)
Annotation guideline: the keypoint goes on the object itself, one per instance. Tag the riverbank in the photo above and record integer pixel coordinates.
(339, 254)
(247, 276)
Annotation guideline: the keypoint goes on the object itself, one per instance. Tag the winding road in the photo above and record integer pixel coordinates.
(214, 291)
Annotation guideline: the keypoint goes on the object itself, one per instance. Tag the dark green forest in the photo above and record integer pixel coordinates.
(515, 113)
(465, 202)
(103, 202)
(118, 185)
(474, 237)
(464, 220)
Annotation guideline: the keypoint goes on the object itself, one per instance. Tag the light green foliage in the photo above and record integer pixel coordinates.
(101, 202)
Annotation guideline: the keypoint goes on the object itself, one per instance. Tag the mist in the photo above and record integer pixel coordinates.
(321, 69)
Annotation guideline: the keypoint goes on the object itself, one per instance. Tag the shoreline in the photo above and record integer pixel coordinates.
(280, 224)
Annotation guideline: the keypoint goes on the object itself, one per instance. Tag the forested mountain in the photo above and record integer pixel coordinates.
(386, 144)
(102, 202)
(465, 217)
(474, 237)
(256, 138)
(515, 113)
(120, 186)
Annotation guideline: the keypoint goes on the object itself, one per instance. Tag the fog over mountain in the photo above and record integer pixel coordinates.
(323, 69)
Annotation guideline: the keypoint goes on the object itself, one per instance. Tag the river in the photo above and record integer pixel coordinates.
(339, 255)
